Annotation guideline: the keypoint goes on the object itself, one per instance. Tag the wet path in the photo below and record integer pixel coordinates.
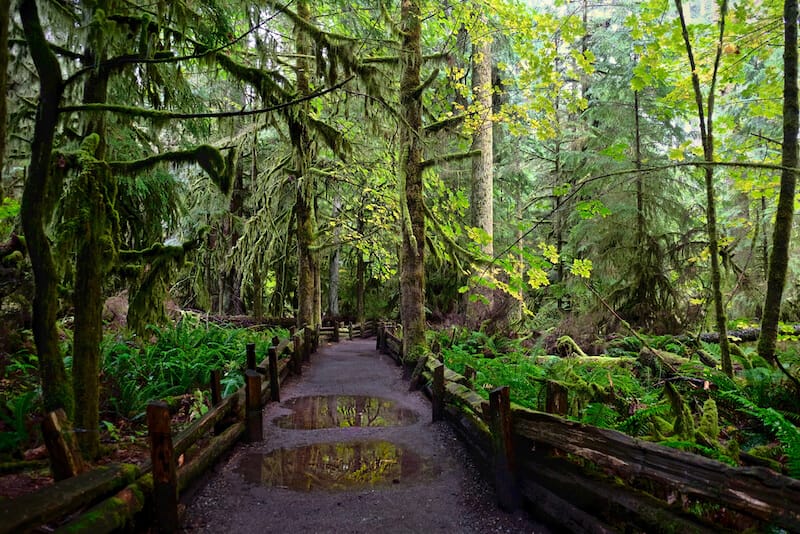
(349, 450)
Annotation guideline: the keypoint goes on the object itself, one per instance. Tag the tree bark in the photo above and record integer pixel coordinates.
(307, 263)
(782, 233)
(38, 201)
(92, 262)
(335, 263)
(361, 272)
(479, 303)
(707, 137)
(412, 254)
(4, 21)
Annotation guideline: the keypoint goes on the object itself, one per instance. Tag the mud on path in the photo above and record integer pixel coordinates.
(368, 459)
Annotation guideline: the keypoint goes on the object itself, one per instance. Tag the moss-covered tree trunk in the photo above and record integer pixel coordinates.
(94, 251)
(412, 253)
(4, 20)
(335, 261)
(479, 304)
(361, 272)
(38, 201)
(782, 234)
(96, 255)
(307, 263)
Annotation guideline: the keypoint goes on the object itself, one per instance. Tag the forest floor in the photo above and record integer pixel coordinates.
(350, 449)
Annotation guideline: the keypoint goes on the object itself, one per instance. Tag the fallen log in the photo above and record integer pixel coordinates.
(753, 491)
(48, 504)
(115, 513)
(747, 334)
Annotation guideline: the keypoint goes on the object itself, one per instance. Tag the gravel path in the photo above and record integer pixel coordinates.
(403, 478)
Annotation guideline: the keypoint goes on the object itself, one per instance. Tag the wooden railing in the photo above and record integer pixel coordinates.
(117, 493)
(584, 478)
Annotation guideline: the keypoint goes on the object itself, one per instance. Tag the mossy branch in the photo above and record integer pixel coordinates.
(156, 114)
(208, 157)
(445, 123)
(417, 91)
(457, 156)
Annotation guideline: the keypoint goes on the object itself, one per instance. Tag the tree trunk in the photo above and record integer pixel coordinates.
(361, 272)
(4, 21)
(307, 263)
(92, 262)
(707, 137)
(479, 303)
(38, 201)
(412, 254)
(782, 234)
(335, 263)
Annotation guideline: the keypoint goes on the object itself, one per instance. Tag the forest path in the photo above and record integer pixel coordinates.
(379, 465)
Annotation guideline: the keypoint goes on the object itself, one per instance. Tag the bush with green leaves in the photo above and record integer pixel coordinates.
(176, 360)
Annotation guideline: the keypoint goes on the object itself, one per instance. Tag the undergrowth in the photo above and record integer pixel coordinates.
(699, 409)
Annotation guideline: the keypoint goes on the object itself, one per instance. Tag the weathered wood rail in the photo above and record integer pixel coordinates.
(123, 496)
(588, 479)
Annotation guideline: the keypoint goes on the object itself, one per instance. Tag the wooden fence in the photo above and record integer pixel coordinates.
(588, 479)
(124, 495)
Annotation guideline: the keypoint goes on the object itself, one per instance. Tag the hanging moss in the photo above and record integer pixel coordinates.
(207, 156)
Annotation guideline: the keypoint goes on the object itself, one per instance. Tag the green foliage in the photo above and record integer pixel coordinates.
(786, 432)
(15, 416)
(600, 414)
(178, 360)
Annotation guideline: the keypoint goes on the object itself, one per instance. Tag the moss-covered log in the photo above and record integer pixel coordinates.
(754, 491)
(211, 452)
(115, 513)
(53, 502)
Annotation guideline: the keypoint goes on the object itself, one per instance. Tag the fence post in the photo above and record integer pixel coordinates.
(276, 341)
(253, 415)
(508, 496)
(308, 343)
(350, 331)
(469, 375)
(379, 336)
(274, 392)
(297, 364)
(251, 356)
(216, 396)
(165, 479)
(437, 400)
(335, 331)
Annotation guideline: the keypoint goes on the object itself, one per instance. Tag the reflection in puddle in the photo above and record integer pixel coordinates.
(335, 411)
(336, 466)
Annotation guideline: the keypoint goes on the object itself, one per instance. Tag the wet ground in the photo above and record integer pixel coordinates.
(350, 450)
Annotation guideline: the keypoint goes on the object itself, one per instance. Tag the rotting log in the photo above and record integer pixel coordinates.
(50, 503)
(59, 437)
(754, 491)
(557, 398)
(165, 482)
(552, 509)
(192, 470)
(115, 513)
(618, 505)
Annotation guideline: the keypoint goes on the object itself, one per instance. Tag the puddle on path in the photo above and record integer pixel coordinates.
(340, 411)
(337, 466)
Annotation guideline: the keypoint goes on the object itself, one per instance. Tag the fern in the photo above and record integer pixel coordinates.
(638, 424)
(599, 414)
(786, 433)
